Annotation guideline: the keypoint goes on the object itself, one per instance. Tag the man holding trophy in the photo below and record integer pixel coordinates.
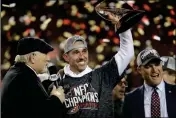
(88, 93)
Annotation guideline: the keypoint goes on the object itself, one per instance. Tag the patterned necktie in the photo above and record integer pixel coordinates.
(155, 104)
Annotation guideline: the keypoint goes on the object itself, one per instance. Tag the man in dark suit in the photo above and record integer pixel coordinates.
(23, 95)
(155, 98)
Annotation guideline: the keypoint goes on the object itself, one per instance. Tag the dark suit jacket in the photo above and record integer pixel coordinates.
(24, 96)
(134, 102)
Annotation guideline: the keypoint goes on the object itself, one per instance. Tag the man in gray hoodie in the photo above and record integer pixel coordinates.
(88, 93)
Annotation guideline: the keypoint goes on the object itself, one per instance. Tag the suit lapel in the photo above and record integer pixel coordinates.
(141, 102)
(32, 74)
(42, 87)
(169, 99)
(36, 79)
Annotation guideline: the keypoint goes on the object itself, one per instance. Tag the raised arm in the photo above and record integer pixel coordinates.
(126, 51)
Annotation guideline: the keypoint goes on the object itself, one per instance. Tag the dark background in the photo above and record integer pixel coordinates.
(164, 10)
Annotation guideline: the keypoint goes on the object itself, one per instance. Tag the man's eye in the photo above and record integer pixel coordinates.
(85, 51)
(146, 66)
(76, 52)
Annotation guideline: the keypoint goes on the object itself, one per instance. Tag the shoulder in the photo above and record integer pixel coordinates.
(170, 87)
(136, 92)
(12, 74)
(109, 66)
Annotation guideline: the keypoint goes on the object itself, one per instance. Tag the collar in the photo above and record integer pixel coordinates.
(67, 71)
(149, 88)
(31, 69)
(161, 86)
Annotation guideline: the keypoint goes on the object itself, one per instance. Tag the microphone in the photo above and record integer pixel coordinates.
(52, 69)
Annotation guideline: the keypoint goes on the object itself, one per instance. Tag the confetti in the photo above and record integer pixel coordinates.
(10, 5)
(62, 19)
(155, 37)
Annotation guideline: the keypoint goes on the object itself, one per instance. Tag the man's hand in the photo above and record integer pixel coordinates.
(58, 92)
(115, 20)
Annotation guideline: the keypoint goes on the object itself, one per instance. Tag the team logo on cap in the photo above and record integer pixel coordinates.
(149, 52)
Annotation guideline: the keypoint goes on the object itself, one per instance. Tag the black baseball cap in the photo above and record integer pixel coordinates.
(146, 55)
(31, 44)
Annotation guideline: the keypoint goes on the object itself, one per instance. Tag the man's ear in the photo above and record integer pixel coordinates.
(139, 70)
(65, 56)
(31, 58)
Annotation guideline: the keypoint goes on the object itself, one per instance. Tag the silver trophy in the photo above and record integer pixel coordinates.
(123, 18)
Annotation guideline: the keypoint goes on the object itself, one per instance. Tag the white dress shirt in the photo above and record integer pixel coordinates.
(147, 99)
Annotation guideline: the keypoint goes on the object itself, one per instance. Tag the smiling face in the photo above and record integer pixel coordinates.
(152, 72)
(77, 58)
